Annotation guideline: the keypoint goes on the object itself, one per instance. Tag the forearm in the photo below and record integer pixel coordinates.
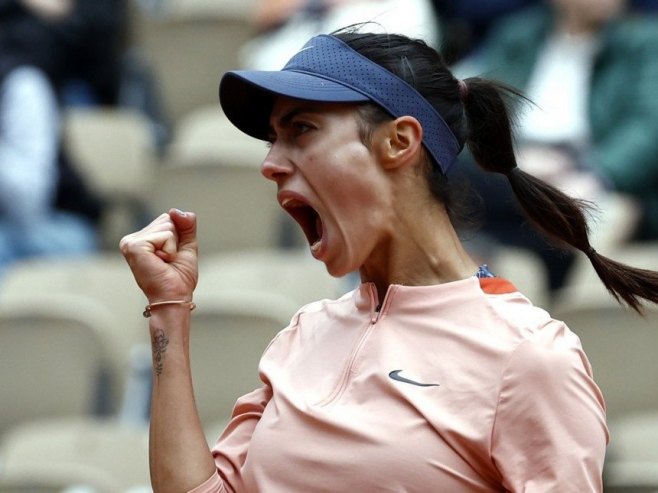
(178, 451)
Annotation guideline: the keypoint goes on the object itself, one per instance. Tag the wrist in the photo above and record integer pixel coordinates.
(182, 303)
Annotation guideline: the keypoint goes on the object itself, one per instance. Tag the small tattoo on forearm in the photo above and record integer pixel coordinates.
(159, 345)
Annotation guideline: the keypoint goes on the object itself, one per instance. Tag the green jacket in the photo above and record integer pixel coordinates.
(623, 99)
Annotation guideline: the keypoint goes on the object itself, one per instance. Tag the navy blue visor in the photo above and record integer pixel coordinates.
(327, 70)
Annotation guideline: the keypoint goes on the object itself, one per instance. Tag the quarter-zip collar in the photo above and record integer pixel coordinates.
(412, 298)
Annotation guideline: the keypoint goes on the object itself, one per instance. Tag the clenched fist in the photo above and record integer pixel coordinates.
(164, 256)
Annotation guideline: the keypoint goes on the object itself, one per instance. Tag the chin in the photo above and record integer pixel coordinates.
(339, 270)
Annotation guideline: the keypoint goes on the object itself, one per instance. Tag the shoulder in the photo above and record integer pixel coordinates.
(546, 357)
(323, 308)
(515, 316)
(309, 318)
(633, 32)
(536, 345)
(536, 352)
(548, 354)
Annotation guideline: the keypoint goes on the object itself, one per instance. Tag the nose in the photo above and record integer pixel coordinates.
(276, 167)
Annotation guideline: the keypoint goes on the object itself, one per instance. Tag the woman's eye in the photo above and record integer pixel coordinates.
(301, 128)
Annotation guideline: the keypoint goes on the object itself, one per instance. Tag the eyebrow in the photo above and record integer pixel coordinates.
(285, 120)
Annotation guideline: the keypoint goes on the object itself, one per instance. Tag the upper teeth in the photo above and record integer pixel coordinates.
(291, 202)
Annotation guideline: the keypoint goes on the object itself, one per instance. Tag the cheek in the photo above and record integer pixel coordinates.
(360, 192)
(362, 211)
(347, 170)
(349, 180)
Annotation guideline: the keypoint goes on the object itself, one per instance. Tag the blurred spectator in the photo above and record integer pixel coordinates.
(647, 6)
(590, 67)
(45, 209)
(467, 22)
(86, 48)
(285, 25)
(92, 39)
(80, 42)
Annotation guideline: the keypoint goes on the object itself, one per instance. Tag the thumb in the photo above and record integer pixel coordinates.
(185, 223)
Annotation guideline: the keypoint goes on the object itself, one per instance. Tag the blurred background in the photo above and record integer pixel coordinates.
(109, 116)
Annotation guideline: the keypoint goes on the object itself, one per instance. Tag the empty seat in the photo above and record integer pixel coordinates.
(189, 48)
(114, 150)
(53, 358)
(103, 283)
(96, 455)
(632, 459)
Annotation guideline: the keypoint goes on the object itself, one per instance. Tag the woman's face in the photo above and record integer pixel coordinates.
(328, 180)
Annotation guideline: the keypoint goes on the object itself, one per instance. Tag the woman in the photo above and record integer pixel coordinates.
(432, 375)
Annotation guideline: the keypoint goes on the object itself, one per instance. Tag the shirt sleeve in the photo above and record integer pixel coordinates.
(230, 451)
(550, 433)
(29, 120)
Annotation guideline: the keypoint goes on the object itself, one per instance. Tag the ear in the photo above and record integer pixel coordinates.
(399, 142)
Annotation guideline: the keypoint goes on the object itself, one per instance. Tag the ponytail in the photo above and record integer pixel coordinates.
(562, 219)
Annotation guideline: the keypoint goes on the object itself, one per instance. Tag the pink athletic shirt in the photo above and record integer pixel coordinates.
(458, 387)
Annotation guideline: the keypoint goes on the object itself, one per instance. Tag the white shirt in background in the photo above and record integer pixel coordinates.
(559, 88)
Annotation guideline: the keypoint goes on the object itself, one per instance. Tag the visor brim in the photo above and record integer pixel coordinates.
(247, 96)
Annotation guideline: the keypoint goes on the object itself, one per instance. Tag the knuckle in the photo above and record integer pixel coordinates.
(127, 244)
(123, 243)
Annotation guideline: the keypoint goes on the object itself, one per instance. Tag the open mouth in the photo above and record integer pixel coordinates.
(308, 219)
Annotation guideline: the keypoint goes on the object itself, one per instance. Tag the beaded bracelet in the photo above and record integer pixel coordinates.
(150, 307)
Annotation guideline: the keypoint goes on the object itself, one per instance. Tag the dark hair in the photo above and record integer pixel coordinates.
(477, 111)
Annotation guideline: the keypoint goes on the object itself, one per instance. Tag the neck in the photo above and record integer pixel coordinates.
(422, 249)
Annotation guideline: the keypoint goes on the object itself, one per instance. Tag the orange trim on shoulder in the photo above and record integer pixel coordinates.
(497, 285)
